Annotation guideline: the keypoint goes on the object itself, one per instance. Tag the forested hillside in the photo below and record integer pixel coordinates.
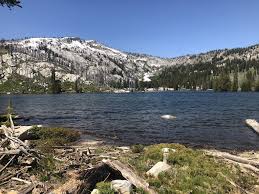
(223, 70)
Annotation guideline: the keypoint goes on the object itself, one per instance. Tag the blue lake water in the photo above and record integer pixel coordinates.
(204, 119)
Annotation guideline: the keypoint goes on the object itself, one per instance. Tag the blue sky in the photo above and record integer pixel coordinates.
(166, 28)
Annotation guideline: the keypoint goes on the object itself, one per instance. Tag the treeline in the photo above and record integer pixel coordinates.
(224, 83)
(229, 75)
(18, 84)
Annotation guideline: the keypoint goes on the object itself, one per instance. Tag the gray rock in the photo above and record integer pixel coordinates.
(122, 186)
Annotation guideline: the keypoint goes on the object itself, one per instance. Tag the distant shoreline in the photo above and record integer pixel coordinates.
(176, 91)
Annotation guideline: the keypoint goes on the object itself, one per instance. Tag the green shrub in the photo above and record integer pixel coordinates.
(138, 148)
(140, 191)
(105, 188)
(47, 137)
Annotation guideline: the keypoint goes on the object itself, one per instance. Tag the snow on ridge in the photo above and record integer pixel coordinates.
(74, 43)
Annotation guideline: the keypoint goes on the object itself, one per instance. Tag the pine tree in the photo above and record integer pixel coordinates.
(224, 82)
(235, 82)
(215, 84)
(10, 3)
(78, 88)
(55, 84)
(248, 83)
(257, 86)
(246, 86)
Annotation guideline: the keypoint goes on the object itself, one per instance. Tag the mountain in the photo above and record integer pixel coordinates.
(34, 59)
(74, 58)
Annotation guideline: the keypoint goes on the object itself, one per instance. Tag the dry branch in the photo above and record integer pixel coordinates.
(20, 180)
(7, 163)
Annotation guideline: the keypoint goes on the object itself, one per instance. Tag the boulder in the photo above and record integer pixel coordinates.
(158, 168)
(122, 186)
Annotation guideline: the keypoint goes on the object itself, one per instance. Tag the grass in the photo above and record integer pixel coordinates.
(105, 188)
(192, 171)
(138, 148)
(46, 137)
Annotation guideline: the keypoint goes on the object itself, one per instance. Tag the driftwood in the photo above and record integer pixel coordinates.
(7, 163)
(245, 166)
(233, 157)
(16, 157)
(20, 180)
(10, 152)
(253, 124)
(129, 175)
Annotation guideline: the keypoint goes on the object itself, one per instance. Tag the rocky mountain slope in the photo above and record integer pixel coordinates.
(92, 62)
(246, 53)
(74, 58)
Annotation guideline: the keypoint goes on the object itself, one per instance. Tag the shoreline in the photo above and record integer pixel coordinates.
(90, 154)
(90, 136)
(145, 92)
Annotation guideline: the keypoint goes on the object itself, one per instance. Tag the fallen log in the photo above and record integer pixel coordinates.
(250, 168)
(11, 152)
(129, 175)
(253, 124)
(233, 157)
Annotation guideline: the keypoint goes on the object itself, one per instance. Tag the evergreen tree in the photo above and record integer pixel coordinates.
(246, 86)
(78, 88)
(235, 82)
(215, 84)
(250, 76)
(257, 86)
(136, 84)
(224, 83)
(55, 84)
(10, 3)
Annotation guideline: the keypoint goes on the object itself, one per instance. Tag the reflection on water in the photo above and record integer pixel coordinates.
(203, 118)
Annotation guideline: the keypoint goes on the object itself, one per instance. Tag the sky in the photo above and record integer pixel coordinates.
(166, 28)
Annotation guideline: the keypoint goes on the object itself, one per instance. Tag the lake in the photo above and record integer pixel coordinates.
(204, 119)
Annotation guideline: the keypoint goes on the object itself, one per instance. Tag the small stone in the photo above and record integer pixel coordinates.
(122, 186)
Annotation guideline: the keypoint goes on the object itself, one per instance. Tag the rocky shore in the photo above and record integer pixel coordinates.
(36, 159)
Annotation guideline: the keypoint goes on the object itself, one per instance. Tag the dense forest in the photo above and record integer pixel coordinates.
(229, 75)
